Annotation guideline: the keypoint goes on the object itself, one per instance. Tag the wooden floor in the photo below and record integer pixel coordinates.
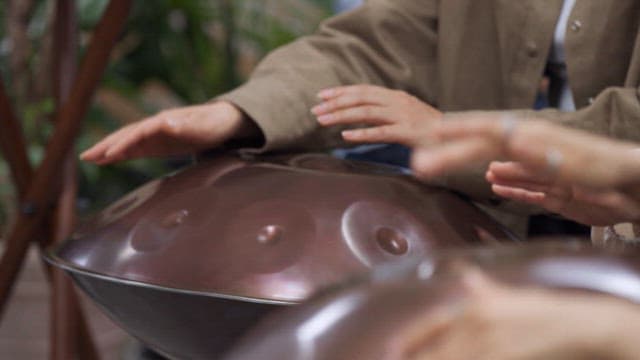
(24, 330)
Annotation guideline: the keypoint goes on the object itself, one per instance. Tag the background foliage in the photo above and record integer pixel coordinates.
(174, 52)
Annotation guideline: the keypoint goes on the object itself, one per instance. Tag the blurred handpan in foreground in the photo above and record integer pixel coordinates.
(550, 300)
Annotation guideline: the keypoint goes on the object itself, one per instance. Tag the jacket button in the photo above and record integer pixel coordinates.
(532, 49)
(575, 26)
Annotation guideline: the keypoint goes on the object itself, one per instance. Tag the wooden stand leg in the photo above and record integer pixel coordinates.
(41, 194)
(70, 333)
(65, 314)
(38, 192)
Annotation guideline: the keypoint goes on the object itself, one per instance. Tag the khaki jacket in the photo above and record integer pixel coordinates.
(459, 56)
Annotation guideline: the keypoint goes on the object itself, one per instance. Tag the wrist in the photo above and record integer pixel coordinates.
(241, 128)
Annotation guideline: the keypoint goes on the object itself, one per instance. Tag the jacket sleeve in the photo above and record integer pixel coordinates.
(390, 43)
(615, 112)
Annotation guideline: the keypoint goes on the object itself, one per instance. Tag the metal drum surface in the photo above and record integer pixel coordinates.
(368, 320)
(168, 259)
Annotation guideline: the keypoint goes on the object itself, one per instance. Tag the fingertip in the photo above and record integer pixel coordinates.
(327, 93)
(350, 134)
(325, 120)
(497, 165)
(90, 155)
(89, 160)
(519, 194)
(320, 109)
(490, 176)
(356, 136)
(501, 191)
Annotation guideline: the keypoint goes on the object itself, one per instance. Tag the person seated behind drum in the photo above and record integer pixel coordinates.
(456, 56)
(589, 178)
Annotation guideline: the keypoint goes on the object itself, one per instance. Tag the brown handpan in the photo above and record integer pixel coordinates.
(187, 262)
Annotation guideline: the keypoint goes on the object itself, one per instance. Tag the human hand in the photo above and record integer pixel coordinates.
(499, 322)
(571, 156)
(171, 132)
(455, 144)
(392, 116)
(590, 206)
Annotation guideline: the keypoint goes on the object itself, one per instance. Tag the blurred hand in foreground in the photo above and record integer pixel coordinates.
(499, 322)
(591, 206)
(172, 132)
(566, 155)
(581, 176)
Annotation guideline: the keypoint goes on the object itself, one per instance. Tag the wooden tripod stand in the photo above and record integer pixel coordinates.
(47, 193)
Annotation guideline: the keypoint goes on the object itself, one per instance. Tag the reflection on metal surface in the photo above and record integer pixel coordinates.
(270, 234)
(371, 319)
(606, 276)
(391, 241)
(175, 219)
(377, 232)
(126, 253)
(425, 270)
(146, 236)
(321, 323)
(266, 222)
(321, 162)
(129, 203)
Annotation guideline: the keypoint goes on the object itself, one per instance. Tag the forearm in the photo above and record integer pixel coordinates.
(608, 336)
(385, 42)
(581, 326)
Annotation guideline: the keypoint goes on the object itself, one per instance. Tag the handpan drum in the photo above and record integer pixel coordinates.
(379, 318)
(187, 262)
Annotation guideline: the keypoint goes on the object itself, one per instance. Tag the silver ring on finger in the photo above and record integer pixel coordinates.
(508, 123)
